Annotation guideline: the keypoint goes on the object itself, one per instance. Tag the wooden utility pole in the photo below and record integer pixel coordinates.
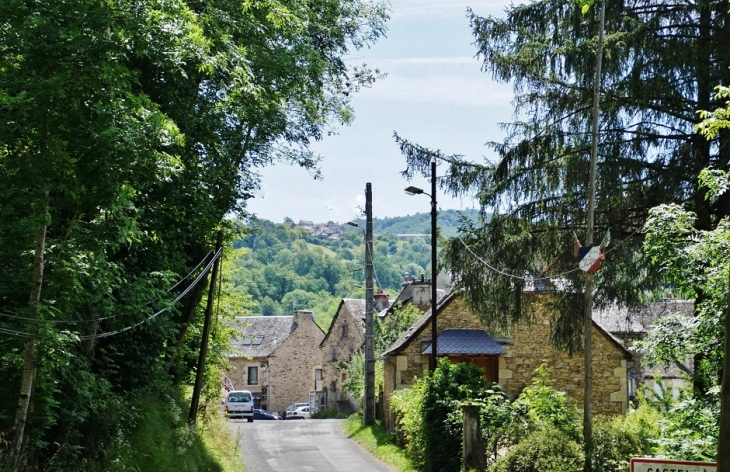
(588, 303)
(369, 410)
(206, 332)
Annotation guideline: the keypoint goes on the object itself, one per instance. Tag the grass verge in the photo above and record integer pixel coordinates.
(378, 442)
(162, 441)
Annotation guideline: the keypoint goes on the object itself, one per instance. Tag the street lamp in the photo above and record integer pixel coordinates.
(434, 272)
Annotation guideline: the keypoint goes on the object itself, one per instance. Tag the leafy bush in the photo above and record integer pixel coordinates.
(406, 404)
(545, 450)
(541, 406)
(429, 417)
(614, 444)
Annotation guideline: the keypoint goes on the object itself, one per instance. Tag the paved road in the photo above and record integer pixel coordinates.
(301, 445)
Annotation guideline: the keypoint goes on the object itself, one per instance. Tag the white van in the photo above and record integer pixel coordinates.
(239, 403)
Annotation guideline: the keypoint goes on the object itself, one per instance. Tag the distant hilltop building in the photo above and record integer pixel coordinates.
(329, 230)
(411, 236)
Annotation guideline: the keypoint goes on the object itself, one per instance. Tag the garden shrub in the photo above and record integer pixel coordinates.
(406, 404)
(429, 418)
(541, 406)
(449, 386)
(546, 450)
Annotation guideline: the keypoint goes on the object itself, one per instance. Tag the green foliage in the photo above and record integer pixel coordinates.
(429, 416)
(283, 268)
(407, 404)
(355, 369)
(159, 438)
(615, 442)
(327, 413)
(130, 131)
(545, 450)
(695, 261)
(649, 153)
(541, 406)
(690, 427)
(376, 440)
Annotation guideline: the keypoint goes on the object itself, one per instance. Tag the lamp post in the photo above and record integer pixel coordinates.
(434, 272)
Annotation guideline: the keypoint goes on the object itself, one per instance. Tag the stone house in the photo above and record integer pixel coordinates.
(277, 358)
(345, 337)
(509, 360)
(631, 324)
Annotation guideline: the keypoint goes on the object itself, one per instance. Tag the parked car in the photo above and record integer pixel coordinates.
(239, 403)
(291, 407)
(298, 414)
(259, 414)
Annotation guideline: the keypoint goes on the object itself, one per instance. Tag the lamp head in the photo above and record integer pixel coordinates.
(352, 223)
(413, 190)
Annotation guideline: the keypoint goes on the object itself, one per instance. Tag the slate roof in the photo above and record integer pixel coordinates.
(466, 341)
(638, 320)
(417, 326)
(271, 330)
(355, 307)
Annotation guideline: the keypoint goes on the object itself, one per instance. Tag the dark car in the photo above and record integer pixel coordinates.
(259, 414)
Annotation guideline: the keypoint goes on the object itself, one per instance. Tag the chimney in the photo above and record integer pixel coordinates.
(381, 300)
(421, 294)
(302, 315)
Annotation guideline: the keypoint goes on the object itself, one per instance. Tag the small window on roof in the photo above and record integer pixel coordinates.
(255, 341)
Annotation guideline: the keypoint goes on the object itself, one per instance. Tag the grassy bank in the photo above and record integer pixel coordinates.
(378, 442)
(162, 441)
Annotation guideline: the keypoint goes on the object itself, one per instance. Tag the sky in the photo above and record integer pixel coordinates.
(435, 95)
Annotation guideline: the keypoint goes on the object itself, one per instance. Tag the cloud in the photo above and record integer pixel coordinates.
(454, 81)
(424, 9)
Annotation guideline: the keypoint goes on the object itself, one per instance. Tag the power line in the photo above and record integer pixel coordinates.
(37, 320)
(532, 279)
(127, 328)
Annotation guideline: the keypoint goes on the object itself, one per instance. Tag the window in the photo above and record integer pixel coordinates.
(253, 375)
(334, 354)
(344, 376)
(344, 330)
(252, 340)
(317, 374)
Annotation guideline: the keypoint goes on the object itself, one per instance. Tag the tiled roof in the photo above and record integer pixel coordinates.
(466, 341)
(274, 329)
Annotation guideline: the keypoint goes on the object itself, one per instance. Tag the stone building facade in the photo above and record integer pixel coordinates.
(277, 358)
(527, 346)
(345, 337)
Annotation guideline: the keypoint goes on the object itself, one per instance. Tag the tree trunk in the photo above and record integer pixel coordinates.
(26, 386)
(188, 316)
(723, 442)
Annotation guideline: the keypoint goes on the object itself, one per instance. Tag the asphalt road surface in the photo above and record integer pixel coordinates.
(301, 445)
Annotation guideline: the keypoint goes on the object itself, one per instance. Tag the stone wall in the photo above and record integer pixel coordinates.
(290, 374)
(339, 349)
(531, 348)
(528, 346)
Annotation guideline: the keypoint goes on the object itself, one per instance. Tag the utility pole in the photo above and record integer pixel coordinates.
(206, 332)
(369, 413)
(588, 303)
(434, 268)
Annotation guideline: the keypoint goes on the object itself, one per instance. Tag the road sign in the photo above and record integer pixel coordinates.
(665, 465)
